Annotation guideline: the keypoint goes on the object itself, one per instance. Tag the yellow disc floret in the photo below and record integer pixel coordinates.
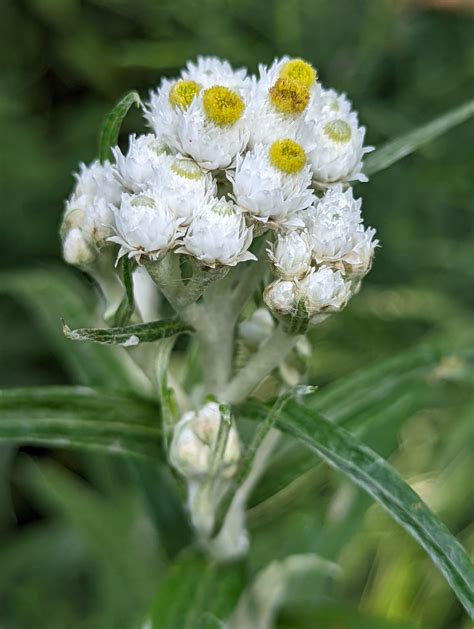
(289, 96)
(183, 93)
(299, 70)
(338, 131)
(287, 155)
(222, 105)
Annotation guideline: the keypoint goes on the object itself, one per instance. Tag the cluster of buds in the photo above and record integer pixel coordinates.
(207, 455)
(230, 157)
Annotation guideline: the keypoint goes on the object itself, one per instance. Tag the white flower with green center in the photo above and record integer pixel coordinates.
(336, 231)
(218, 235)
(193, 446)
(338, 149)
(272, 183)
(136, 169)
(184, 184)
(213, 130)
(281, 297)
(209, 71)
(145, 225)
(291, 254)
(324, 290)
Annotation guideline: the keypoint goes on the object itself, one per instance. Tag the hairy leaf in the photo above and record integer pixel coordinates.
(130, 335)
(78, 417)
(375, 476)
(113, 122)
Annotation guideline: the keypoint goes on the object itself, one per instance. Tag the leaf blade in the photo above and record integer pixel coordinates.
(130, 335)
(368, 470)
(397, 149)
(113, 121)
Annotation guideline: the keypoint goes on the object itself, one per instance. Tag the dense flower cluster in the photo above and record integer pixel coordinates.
(231, 157)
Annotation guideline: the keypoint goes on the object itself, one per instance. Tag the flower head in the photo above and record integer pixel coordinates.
(209, 71)
(145, 225)
(218, 235)
(281, 297)
(324, 290)
(263, 186)
(291, 254)
(137, 168)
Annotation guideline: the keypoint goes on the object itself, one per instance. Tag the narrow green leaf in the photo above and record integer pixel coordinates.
(113, 122)
(78, 417)
(167, 401)
(399, 148)
(376, 477)
(130, 335)
(196, 594)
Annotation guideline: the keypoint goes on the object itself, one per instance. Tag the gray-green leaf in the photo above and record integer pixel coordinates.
(375, 476)
(113, 122)
(399, 148)
(130, 335)
(79, 417)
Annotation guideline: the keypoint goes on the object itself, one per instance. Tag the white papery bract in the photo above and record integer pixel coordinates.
(76, 249)
(218, 235)
(336, 233)
(193, 446)
(267, 193)
(137, 168)
(291, 254)
(281, 297)
(209, 71)
(98, 181)
(184, 184)
(144, 225)
(324, 290)
(338, 149)
(211, 145)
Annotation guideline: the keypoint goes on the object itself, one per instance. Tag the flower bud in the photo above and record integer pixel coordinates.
(257, 328)
(76, 249)
(193, 447)
(281, 297)
(324, 290)
(291, 255)
(137, 168)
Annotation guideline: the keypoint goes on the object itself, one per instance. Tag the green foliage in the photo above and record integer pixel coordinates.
(112, 123)
(129, 335)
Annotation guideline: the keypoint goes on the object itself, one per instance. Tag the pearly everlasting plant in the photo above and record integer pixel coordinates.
(237, 200)
(231, 224)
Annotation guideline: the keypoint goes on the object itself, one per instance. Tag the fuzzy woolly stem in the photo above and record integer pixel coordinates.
(269, 356)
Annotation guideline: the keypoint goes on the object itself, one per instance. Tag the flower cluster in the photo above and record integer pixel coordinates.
(231, 157)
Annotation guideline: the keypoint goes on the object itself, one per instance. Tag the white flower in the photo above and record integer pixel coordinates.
(271, 115)
(281, 297)
(263, 188)
(336, 232)
(328, 104)
(76, 249)
(93, 215)
(161, 115)
(291, 254)
(98, 180)
(193, 446)
(338, 149)
(184, 184)
(209, 71)
(136, 169)
(324, 290)
(218, 235)
(210, 144)
(145, 225)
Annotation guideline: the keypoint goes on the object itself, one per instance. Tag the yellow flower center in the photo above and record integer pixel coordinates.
(183, 93)
(299, 70)
(289, 96)
(222, 105)
(187, 169)
(287, 155)
(338, 131)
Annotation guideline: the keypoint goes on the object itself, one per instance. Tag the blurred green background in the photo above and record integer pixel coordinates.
(64, 63)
